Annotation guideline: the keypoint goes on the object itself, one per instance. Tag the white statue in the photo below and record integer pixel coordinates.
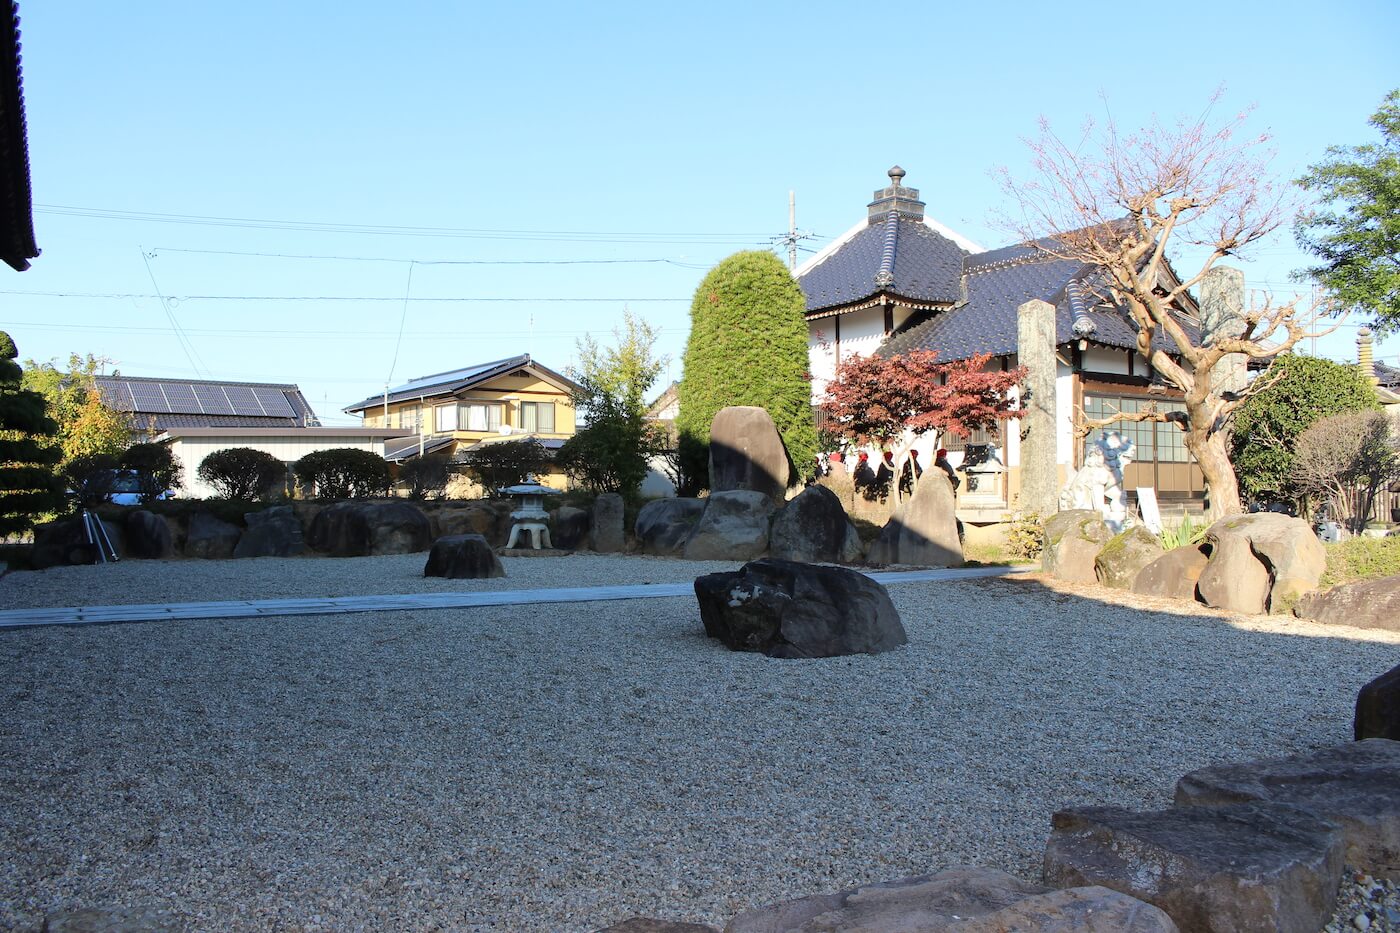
(1098, 485)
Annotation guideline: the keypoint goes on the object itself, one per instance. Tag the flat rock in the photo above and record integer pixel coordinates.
(663, 525)
(652, 925)
(747, 452)
(1124, 555)
(1241, 867)
(463, 557)
(960, 900)
(1370, 604)
(923, 531)
(1174, 575)
(1356, 786)
(813, 527)
(1073, 538)
(1234, 579)
(1378, 708)
(607, 524)
(787, 609)
(734, 526)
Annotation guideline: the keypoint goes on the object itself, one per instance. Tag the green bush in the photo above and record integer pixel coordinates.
(91, 478)
(1361, 558)
(425, 476)
(505, 463)
(242, 473)
(1025, 536)
(1184, 533)
(157, 470)
(344, 473)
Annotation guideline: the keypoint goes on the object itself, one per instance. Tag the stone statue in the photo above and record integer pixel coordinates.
(1098, 485)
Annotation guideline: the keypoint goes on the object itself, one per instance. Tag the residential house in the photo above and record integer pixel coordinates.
(458, 412)
(899, 281)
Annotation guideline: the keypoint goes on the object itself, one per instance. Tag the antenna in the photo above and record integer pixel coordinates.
(792, 237)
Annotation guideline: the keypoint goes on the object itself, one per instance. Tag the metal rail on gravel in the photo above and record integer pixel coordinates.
(251, 608)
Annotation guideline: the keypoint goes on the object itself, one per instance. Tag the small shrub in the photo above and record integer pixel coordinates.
(157, 470)
(426, 476)
(91, 478)
(1183, 534)
(344, 473)
(505, 463)
(1357, 559)
(1025, 536)
(241, 472)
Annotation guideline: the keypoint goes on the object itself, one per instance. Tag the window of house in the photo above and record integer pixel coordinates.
(444, 419)
(482, 416)
(1153, 440)
(406, 419)
(537, 416)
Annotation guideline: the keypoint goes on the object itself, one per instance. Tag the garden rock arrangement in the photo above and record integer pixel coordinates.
(1073, 539)
(1378, 708)
(923, 531)
(360, 529)
(813, 527)
(786, 609)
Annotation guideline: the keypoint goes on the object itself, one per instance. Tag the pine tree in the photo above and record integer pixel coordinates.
(29, 485)
(747, 346)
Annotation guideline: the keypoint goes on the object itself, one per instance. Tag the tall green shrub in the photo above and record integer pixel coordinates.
(241, 473)
(344, 473)
(29, 484)
(747, 346)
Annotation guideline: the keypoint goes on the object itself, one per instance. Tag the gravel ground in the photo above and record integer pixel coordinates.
(560, 768)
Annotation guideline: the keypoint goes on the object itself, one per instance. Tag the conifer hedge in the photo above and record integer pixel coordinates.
(747, 346)
(29, 484)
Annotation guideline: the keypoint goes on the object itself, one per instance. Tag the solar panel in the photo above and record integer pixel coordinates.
(274, 402)
(148, 397)
(180, 395)
(115, 395)
(243, 400)
(213, 400)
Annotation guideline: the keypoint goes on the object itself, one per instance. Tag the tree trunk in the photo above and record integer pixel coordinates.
(1211, 453)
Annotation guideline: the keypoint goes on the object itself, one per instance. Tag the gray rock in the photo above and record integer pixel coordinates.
(652, 925)
(489, 518)
(608, 523)
(1234, 579)
(1378, 708)
(813, 527)
(1073, 538)
(663, 525)
(1241, 867)
(734, 526)
(790, 610)
(747, 452)
(1125, 554)
(1285, 545)
(148, 536)
(569, 528)
(463, 557)
(362, 529)
(64, 543)
(210, 538)
(1174, 574)
(923, 531)
(1356, 786)
(960, 900)
(274, 532)
(1370, 604)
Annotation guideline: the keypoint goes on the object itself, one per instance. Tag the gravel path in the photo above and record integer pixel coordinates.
(562, 769)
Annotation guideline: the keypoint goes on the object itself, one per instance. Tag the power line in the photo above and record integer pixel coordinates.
(294, 334)
(127, 296)
(436, 262)
(180, 338)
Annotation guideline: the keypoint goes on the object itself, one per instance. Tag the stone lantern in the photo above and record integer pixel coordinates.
(530, 517)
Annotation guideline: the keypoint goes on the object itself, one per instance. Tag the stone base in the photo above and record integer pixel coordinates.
(532, 552)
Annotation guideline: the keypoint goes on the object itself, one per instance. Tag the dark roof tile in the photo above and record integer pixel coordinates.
(896, 254)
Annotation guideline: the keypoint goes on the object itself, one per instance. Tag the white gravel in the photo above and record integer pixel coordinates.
(565, 767)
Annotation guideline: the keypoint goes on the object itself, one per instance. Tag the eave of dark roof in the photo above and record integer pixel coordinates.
(1389, 376)
(895, 255)
(17, 244)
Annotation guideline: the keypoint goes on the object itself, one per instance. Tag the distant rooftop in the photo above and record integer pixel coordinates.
(200, 403)
(454, 380)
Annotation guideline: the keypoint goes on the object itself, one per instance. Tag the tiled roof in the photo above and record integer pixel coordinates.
(894, 254)
(202, 403)
(17, 244)
(1389, 376)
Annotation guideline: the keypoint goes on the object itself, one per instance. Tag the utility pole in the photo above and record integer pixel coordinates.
(791, 239)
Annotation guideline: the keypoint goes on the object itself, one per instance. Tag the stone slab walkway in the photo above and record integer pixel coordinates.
(237, 609)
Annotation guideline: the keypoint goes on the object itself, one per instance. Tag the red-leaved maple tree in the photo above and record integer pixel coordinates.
(887, 402)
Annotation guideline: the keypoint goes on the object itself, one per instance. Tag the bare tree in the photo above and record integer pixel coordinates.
(1117, 203)
(1345, 460)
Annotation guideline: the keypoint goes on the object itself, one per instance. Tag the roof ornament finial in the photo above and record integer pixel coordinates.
(896, 175)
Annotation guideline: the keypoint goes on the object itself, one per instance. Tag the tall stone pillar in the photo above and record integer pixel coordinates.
(1035, 350)
(1222, 315)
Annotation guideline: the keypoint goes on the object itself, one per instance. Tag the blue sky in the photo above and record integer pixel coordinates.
(509, 145)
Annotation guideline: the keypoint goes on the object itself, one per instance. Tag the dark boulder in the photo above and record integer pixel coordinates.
(64, 543)
(663, 525)
(148, 536)
(569, 528)
(489, 518)
(361, 529)
(1378, 708)
(923, 531)
(813, 527)
(607, 525)
(274, 532)
(211, 538)
(789, 610)
(463, 557)
(747, 452)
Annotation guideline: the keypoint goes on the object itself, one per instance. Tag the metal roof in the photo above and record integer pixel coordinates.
(455, 380)
(406, 448)
(171, 403)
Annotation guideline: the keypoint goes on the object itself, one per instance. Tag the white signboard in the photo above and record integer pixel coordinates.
(1147, 507)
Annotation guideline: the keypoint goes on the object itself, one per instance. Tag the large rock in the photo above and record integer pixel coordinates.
(489, 518)
(923, 531)
(1371, 604)
(63, 543)
(1124, 555)
(210, 538)
(790, 610)
(663, 525)
(1287, 546)
(747, 452)
(608, 523)
(734, 526)
(148, 536)
(361, 529)
(1378, 708)
(1356, 786)
(569, 528)
(274, 532)
(1241, 867)
(1234, 579)
(813, 527)
(1073, 539)
(960, 900)
(463, 557)
(1174, 574)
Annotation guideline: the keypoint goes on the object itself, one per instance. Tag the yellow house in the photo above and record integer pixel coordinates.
(455, 411)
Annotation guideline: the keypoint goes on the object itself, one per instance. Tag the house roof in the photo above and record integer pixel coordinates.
(895, 254)
(17, 244)
(458, 380)
(197, 403)
(406, 448)
(1389, 376)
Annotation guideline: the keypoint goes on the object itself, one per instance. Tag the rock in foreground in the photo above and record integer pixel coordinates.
(463, 557)
(1378, 708)
(790, 610)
